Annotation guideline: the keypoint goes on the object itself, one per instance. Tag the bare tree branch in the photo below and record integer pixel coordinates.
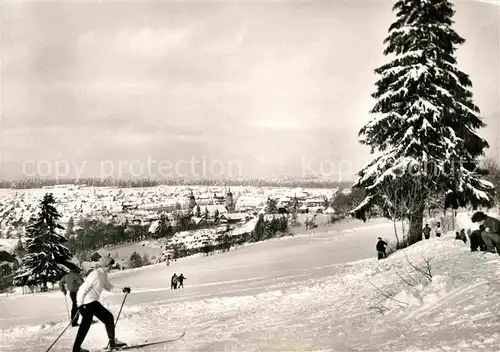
(403, 279)
(401, 304)
(426, 273)
(381, 309)
(403, 197)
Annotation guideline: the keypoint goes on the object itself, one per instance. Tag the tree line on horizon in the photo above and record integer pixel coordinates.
(143, 183)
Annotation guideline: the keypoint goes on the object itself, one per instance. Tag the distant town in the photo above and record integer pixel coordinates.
(146, 205)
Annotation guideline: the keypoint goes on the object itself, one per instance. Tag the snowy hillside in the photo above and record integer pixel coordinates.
(454, 309)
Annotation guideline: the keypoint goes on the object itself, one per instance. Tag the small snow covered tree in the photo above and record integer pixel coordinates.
(294, 204)
(271, 207)
(19, 249)
(164, 229)
(70, 227)
(135, 260)
(46, 259)
(424, 129)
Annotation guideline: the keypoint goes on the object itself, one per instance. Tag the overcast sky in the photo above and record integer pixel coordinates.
(271, 88)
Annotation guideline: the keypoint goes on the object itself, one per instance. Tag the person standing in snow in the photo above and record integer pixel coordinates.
(89, 306)
(381, 248)
(491, 233)
(439, 230)
(181, 279)
(71, 282)
(173, 282)
(427, 231)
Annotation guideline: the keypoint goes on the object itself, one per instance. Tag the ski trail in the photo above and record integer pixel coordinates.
(419, 313)
(145, 290)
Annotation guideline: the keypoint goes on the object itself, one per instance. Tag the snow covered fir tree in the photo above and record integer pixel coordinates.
(46, 258)
(424, 131)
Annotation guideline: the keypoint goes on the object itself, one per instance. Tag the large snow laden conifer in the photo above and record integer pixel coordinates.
(424, 116)
(46, 258)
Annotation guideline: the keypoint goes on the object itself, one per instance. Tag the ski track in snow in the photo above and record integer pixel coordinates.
(458, 312)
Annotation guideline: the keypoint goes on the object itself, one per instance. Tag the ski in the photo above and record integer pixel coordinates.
(144, 344)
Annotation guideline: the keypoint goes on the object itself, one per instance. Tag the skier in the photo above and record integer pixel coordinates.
(381, 244)
(71, 282)
(427, 231)
(89, 306)
(491, 233)
(173, 282)
(181, 279)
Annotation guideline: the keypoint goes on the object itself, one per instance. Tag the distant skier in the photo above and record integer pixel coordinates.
(89, 306)
(181, 279)
(173, 282)
(427, 231)
(71, 282)
(381, 248)
(491, 233)
(439, 230)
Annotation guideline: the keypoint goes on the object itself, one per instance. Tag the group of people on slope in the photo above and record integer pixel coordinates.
(427, 230)
(177, 281)
(381, 246)
(486, 238)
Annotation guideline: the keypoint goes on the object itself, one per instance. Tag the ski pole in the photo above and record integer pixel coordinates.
(121, 307)
(62, 333)
(119, 312)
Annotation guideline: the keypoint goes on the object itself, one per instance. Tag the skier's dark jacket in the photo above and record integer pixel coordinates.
(381, 246)
(492, 224)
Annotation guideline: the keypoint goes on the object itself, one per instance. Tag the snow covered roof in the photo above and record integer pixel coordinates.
(7, 244)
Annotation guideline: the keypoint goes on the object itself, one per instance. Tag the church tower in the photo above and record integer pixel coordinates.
(192, 202)
(229, 201)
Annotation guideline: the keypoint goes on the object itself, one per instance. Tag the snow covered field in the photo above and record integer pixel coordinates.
(302, 293)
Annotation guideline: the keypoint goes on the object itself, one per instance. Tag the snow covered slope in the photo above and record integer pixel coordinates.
(456, 309)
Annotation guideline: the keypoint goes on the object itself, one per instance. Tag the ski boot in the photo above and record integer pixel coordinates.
(115, 344)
